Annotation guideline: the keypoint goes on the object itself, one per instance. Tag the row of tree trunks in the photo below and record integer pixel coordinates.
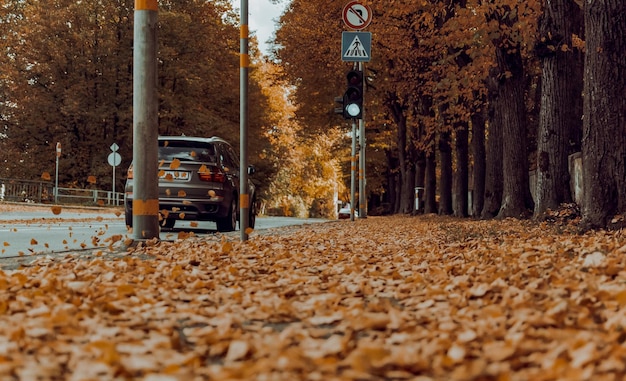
(500, 162)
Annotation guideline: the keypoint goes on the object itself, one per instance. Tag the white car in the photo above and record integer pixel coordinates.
(344, 213)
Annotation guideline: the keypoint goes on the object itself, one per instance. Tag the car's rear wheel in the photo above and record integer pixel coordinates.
(128, 216)
(228, 223)
(252, 215)
(168, 223)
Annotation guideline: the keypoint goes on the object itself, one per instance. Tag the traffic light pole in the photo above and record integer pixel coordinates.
(362, 184)
(145, 122)
(353, 171)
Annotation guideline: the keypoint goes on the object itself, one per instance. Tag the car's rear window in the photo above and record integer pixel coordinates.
(186, 151)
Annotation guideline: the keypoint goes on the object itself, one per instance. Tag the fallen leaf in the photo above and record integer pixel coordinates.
(237, 350)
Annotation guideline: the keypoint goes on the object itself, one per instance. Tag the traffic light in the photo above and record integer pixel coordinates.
(353, 97)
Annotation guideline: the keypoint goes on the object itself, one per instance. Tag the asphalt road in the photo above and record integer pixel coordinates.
(24, 233)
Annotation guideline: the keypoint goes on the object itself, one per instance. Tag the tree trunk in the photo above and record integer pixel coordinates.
(420, 177)
(560, 119)
(516, 197)
(408, 189)
(478, 155)
(604, 125)
(392, 180)
(493, 174)
(407, 181)
(445, 189)
(430, 193)
(461, 174)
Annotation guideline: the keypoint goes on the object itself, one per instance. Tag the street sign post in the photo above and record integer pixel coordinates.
(114, 160)
(357, 47)
(56, 175)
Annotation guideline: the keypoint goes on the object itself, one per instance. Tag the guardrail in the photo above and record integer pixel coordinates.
(44, 192)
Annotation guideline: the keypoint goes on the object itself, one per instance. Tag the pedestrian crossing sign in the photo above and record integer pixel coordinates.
(356, 46)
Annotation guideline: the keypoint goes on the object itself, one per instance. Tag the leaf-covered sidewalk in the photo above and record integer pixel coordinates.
(416, 298)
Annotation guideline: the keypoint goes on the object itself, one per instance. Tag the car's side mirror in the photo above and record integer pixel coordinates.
(251, 170)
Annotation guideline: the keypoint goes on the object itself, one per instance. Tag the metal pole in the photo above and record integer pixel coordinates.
(145, 122)
(114, 197)
(353, 171)
(362, 193)
(56, 178)
(244, 196)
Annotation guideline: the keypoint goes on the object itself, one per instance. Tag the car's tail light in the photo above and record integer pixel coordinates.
(205, 176)
(129, 173)
(219, 177)
(212, 176)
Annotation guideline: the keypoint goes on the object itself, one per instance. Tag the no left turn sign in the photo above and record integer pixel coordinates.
(356, 15)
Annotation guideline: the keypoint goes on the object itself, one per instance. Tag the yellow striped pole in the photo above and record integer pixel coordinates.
(145, 122)
(244, 196)
(146, 5)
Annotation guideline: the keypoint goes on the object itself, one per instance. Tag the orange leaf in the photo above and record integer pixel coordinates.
(125, 290)
(175, 164)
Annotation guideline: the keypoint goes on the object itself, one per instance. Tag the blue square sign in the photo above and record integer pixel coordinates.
(356, 46)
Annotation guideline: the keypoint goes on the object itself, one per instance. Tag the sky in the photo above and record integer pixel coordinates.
(261, 19)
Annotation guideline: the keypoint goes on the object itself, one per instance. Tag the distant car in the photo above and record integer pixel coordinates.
(198, 181)
(344, 213)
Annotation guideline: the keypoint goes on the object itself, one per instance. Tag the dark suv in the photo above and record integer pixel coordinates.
(198, 181)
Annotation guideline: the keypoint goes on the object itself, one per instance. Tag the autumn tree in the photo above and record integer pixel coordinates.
(307, 46)
(604, 124)
(69, 80)
(507, 41)
(444, 73)
(560, 123)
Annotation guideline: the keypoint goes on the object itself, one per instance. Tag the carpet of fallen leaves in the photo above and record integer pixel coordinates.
(419, 298)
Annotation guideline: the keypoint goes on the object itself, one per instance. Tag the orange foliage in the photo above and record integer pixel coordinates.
(381, 298)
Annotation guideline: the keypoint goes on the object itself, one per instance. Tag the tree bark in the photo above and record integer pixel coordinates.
(560, 121)
(462, 164)
(516, 197)
(430, 196)
(493, 174)
(445, 189)
(392, 181)
(604, 125)
(479, 168)
(420, 178)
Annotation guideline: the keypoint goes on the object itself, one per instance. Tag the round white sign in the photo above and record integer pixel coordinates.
(356, 15)
(114, 159)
